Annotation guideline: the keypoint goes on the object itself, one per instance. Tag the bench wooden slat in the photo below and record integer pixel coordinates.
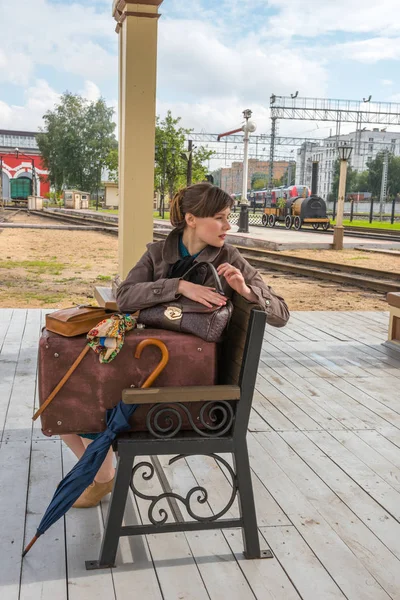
(170, 395)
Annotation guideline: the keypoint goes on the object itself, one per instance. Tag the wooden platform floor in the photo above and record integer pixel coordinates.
(324, 440)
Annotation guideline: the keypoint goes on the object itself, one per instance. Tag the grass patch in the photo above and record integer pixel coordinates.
(37, 266)
(44, 297)
(373, 225)
(103, 277)
(157, 216)
(108, 211)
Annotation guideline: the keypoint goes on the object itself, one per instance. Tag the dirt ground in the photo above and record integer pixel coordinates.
(58, 268)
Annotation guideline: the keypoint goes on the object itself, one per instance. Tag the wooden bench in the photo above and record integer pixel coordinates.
(393, 340)
(230, 403)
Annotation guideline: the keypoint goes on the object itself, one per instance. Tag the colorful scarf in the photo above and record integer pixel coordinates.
(107, 338)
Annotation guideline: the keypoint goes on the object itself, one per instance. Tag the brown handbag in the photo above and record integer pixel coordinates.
(75, 320)
(187, 316)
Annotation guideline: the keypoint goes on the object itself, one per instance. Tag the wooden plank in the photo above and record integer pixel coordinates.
(206, 393)
(381, 390)
(352, 414)
(18, 425)
(368, 480)
(256, 422)
(270, 413)
(303, 567)
(382, 445)
(14, 472)
(5, 320)
(392, 434)
(338, 413)
(360, 522)
(318, 415)
(267, 578)
(84, 531)
(370, 455)
(302, 359)
(316, 513)
(310, 318)
(44, 568)
(352, 390)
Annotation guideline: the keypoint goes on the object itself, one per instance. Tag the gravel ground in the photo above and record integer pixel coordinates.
(45, 268)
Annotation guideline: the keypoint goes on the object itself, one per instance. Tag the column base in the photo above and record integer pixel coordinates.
(338, 232)
(244, 219)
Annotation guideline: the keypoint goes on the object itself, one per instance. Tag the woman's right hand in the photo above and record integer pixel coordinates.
(200, 293)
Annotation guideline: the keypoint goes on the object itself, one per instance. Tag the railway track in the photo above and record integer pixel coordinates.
(91, 223)
(362, 277)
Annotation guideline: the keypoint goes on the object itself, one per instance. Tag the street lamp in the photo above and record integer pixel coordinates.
(248, 127)
(344, 153)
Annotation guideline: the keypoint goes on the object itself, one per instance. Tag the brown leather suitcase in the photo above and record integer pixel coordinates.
(79, 407)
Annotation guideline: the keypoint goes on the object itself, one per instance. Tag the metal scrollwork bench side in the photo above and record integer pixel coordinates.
(220, 427)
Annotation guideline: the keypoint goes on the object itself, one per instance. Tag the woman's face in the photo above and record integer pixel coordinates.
(212, 230)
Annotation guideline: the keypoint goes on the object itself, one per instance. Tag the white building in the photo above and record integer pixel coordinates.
(366, 145)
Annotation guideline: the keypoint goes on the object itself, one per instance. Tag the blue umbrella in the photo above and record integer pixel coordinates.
(84, 472)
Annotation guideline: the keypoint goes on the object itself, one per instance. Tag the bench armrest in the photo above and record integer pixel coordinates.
(171, 395)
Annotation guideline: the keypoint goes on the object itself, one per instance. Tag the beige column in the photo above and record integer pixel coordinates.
(137, 29)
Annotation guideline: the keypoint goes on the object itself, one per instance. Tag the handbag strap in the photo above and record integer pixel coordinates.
(61, 382)
(213, 270)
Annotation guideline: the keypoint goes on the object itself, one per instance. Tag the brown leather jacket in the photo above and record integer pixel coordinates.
(147, 284)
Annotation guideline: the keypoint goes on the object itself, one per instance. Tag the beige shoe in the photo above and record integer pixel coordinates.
(93, 494)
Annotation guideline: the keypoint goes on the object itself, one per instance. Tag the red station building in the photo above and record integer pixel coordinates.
(20, 158)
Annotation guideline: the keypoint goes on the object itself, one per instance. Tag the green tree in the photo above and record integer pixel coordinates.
(111, 165)
(259, 180)
(170, 158)
(351, 179)
(375, 169)
(75, 142)
(363, 182)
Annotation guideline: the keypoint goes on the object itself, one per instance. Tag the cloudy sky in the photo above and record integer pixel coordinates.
(215, 57)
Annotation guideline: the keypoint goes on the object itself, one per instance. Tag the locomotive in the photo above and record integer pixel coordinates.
(296, 212)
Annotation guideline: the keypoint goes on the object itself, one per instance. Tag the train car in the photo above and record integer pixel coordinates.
(266, 197)
(295, 212)
(20, 189)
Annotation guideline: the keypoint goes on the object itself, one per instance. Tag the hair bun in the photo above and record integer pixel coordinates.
(177, 216)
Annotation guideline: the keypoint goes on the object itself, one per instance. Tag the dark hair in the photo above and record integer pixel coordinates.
(201, 200)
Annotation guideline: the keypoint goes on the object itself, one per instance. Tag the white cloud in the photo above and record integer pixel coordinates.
(65, 37)
(371, 50)
(38, 99)
(205, 67)
(90, 91)
(386, 82)
(309, 18)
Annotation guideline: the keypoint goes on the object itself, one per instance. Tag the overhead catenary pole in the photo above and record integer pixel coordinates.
(189, 163)
(382, 197)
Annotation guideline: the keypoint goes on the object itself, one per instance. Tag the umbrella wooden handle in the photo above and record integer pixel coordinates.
(161, 365)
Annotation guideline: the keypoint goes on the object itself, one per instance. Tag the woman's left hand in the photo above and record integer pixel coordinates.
(236, 280)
